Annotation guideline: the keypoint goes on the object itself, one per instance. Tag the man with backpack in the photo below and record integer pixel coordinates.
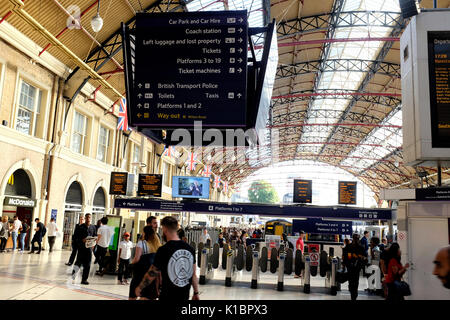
(39, 234)
(354, 260)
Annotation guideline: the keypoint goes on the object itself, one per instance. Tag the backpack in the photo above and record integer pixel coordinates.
(44, 230)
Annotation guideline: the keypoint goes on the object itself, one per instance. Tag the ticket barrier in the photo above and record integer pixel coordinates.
(231, 268)
(206, 266)
(255, 270)
(281, 261)
(307, 281)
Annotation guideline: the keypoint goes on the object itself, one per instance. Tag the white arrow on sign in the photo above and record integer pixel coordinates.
(240, 50)
(140, 85)
(240, 60)
(139, 95)
(239, 95)
(139, 105)
(240, 40)
(240, 30)
(124, 203)
(239, 70)
(241, 20)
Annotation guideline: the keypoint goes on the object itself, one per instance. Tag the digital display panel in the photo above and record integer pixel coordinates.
(118, 183)
(190, 187)
(347, 192)
(302, 191)
(150, 185)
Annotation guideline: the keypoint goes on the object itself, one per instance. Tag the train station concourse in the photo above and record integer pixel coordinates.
(224, 150)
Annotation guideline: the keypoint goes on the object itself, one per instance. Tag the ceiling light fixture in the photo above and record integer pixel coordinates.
(97, 21)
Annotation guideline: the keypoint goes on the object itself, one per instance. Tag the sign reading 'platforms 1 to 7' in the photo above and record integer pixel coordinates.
(190, 67)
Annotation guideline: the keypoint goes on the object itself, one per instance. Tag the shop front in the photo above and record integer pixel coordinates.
(72, 210)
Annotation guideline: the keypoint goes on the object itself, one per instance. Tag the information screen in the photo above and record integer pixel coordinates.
(190, 66)
(118, 183)
(439, 69)
(190, 187)
(150, 185)
(347, 192)
(302, 191)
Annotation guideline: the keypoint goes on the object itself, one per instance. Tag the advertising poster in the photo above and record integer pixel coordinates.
(114, 222)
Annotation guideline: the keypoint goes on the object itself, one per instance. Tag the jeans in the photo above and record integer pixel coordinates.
(33, 247)
(51, 242)
(14, 238)
(74, 252)
(84, 257)
(124, 264)
(101, 252)
(22, 240)
(3, 243)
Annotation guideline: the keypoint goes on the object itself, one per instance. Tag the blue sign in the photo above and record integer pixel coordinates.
(290, 211)
(190, 66)
(53, 214)
(319, 226)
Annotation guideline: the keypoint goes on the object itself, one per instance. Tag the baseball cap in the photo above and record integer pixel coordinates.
(126, 234)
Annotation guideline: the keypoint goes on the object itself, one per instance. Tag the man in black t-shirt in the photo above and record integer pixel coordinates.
(354, 260)
(84, 255)
(39, 234)
(175, 262)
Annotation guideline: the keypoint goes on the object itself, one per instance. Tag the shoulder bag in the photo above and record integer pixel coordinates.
(402, 288)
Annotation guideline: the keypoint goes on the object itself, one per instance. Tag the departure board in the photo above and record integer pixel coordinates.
(302, 191)
(439, 75)
(118, 183)
(150, 185)
(347, 192)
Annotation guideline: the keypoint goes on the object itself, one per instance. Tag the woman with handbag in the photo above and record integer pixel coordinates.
(142, 261)
(396, 288)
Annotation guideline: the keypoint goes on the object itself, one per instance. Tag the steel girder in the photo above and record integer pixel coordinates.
(340, 65)
(371, 72)
(113, 44)
(346, 19)
(395, 152)
(387, 101)
(298, 116)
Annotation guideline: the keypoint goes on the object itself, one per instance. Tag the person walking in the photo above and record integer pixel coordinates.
(143, 260)
(395, 271)
(124, 258)
(153, 222)
(104, 234)
(354, 261)
(75, 241)
(16, 225)
(175, 264)
(4, 233)
(23, 233)
(85, 236)
(221, 240)
(38, 235)
(205, 236)
(51, 236)
(365, 243)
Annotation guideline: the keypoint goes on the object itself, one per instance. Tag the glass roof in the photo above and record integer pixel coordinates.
(344, 81)
(255, 13)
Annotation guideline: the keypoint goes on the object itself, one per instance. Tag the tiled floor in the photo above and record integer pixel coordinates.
(45, 277)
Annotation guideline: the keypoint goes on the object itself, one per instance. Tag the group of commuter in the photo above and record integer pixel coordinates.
(359, 253)
(18, 230)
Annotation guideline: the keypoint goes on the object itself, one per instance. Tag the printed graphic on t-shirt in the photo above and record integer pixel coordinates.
(180, 268)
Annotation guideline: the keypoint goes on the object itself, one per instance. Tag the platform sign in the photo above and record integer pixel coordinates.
(319, 226)
(302, 191)
(190, 66)
(433, 194)
(118, 183)
(347, 192)
(150, 185)
(439, 75)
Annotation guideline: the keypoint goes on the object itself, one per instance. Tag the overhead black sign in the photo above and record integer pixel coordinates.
(347, 192)
(439, 73)
(319, 226)
(190, 66)
(150, 185)
(255, 209)
(436, 194)
(118, 183)
(302, 191)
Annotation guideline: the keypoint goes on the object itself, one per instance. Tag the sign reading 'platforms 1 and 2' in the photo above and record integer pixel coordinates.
(190, 67)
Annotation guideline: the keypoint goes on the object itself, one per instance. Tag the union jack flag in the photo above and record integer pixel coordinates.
(225, 187)
(192, 161)
(217, 182)
(207, 171)
(169, 152)
(123, 119)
